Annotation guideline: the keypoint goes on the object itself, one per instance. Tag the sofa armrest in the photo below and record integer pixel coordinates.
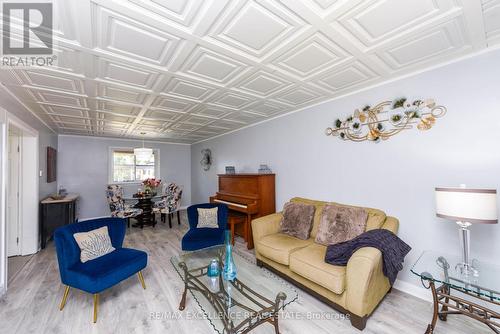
(266, 225)
(263, 226)
(366, 284)
(391, 224)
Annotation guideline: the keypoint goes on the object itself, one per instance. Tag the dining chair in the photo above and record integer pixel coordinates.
(117, 205)
(198, 238)
(97, 275)
(170, 203)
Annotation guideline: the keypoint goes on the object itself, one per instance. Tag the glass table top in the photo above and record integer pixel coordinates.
(132, 198)
(441, 268)
(238, 304)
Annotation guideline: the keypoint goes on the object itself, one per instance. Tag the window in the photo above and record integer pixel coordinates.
(126, 167)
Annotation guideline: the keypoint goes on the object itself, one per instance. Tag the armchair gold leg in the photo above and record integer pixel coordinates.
(141, 278)
(96, 306)
(65, 296)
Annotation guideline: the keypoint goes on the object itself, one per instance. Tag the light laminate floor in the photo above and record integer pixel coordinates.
(15, 264)
(31, 303)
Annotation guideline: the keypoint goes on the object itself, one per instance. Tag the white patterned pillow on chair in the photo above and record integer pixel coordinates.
(93, 244)
(207, 218)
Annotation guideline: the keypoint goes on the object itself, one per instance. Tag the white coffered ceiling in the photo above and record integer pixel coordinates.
(187, 70)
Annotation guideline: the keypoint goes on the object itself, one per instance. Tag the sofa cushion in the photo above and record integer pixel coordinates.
(198, 238)
(279, 246)
(376, 218)
(99, 274)
(309, 262)
(340, 223)
(297, 220)
(317, 213)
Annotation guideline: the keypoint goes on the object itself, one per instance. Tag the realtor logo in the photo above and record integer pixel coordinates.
(27, 31)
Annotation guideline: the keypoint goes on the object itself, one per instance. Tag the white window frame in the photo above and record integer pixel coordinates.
(111, 150)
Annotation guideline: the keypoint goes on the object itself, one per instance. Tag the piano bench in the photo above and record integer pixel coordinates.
(233, 220)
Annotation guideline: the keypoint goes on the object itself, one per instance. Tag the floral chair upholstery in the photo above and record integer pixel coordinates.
(117, 205)
(170, 203)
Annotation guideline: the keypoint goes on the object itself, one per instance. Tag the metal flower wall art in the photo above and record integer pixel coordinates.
(387, 119)
(206, 159)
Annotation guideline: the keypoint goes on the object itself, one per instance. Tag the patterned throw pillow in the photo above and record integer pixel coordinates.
(340, 223)
(297, 220)
(207, 218)
(93, 244)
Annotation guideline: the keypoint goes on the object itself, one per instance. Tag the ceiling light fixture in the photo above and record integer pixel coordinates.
(143, 152)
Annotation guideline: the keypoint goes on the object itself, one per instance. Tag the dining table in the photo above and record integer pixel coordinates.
(145, 202)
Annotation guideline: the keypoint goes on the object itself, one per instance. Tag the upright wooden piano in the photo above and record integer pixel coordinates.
(251, 195)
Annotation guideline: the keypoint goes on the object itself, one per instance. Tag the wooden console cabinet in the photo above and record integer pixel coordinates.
(55, 213)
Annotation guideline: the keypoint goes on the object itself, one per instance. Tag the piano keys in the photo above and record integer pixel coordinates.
(252, 195)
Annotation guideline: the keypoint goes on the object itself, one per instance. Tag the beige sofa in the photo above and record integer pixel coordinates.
(355, 289)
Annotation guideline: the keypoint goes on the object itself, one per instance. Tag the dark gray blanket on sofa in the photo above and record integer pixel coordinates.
(393, 250)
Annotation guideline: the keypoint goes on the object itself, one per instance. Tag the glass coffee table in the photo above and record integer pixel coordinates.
(437, 272)
(255, 297)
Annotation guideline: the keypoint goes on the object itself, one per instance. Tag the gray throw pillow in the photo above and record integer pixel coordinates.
(340, 223)
(207, 218)
(93, 244)
(297, 220)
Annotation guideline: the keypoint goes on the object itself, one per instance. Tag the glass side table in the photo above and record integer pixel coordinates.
(437, 273)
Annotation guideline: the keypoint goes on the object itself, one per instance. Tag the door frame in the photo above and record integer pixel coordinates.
(29, 192)
(8, 225)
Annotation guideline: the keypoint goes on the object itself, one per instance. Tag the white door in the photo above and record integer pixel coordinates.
(13, 195)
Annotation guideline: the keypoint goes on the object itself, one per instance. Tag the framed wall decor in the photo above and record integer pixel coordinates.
(51, 164)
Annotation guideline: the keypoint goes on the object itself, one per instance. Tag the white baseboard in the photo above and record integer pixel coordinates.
(414, 290)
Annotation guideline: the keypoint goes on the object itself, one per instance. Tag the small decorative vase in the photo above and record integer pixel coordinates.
(229, 271)
(213, 268)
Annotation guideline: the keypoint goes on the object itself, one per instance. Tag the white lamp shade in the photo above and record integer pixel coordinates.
(143, 152)
(467, 205)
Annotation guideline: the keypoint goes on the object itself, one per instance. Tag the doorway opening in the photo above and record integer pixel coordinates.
(13, 191)
(21, 200)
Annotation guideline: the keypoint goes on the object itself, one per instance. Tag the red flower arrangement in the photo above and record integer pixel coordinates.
(151, 182)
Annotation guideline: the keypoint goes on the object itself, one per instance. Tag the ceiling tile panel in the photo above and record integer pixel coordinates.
(51, 80)
(374, 21)
(316, 53)
(263, 84)
(124, 74)
(124, 36)
(298, 96)
(256, 27)
(189, 89)
(352, 75)
(188, 70)
(437, 41)
(491, 10)
(118, 93)
(206, 64)
(178, 11)
(232, 100)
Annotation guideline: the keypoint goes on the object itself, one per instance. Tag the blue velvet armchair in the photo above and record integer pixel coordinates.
(198, 238)
(96, 275)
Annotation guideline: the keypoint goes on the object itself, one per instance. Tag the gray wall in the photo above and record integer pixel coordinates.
(398, 175)
(83, 168)
(45, 140)
(46, 137)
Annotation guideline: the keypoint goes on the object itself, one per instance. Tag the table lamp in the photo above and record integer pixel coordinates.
(466, 207)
